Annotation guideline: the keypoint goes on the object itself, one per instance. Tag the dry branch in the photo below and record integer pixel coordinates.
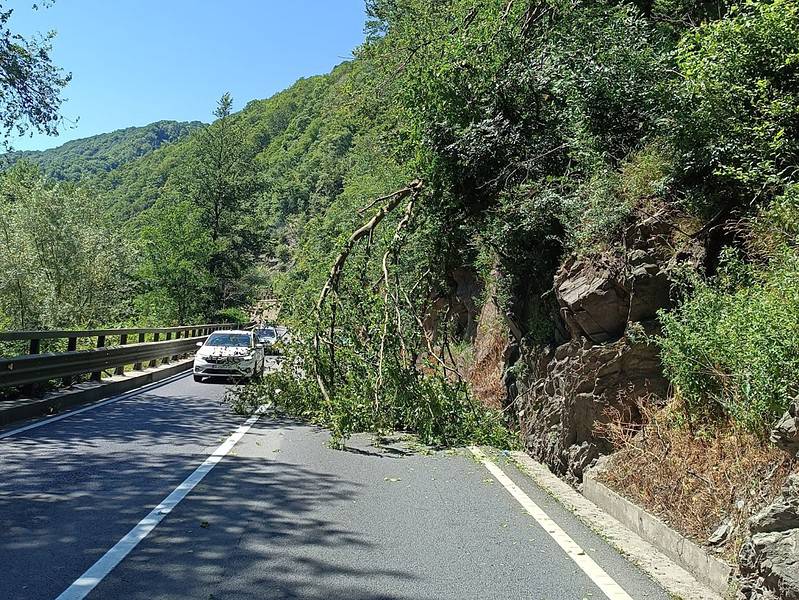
(365, 229)
(392, 249)
(331, 285)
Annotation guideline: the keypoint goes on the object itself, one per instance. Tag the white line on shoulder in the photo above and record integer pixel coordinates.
(597, 574)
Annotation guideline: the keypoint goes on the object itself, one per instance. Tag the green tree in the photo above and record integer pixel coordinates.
(174, 252)
(30, 84)
(222, 187)
(62, 264)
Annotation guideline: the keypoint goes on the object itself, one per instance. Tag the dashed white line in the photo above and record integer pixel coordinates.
(106, 563)
(597, 574)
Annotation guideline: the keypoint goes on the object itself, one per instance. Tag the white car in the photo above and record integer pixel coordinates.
(229, 354)
(266, 335)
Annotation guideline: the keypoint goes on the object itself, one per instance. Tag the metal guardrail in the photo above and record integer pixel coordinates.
(36, 367)
(10, 336)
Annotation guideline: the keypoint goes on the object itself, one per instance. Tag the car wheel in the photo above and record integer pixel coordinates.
(198, 378)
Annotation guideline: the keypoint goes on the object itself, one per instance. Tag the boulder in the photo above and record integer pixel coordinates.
(599, 297)
(782, 514)
(785, 434)
(592, 301)
(769, 558)
(649, 286)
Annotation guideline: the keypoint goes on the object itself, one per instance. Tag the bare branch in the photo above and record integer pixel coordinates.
(331, 285)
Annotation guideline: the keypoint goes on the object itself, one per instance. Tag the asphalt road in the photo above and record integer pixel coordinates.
(280, 516)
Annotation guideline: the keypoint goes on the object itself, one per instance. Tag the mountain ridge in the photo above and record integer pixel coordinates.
(78, 159)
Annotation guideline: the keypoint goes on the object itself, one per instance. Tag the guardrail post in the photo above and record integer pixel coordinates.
(98, 375)
(72, 345)
(123, 339)
(137, 366)
(167, 358)
(34, 348)
(154, 362)
(177, 337)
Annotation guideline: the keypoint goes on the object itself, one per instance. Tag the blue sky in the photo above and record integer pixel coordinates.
(138, 61)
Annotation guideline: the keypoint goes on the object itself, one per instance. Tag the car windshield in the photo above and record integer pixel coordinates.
(266, 333)
(236, 340)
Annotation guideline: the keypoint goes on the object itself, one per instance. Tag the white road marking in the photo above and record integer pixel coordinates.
(72, 413)
(597, 574)
(106, 563)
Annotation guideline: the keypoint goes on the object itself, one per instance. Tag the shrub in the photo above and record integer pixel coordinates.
(739, 100)
(732, 348)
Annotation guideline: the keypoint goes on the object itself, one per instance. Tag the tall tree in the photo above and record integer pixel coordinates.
(61, 262)
(174, 249)
(223, 187)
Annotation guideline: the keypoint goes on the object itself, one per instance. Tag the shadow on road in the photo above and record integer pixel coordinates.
(258, 528)
(255, 527)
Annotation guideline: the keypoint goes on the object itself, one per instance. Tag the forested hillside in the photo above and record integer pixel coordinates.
(196, 222)
(572, 221)
(85, 157)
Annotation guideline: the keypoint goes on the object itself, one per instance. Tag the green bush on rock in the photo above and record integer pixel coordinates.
(732, 348)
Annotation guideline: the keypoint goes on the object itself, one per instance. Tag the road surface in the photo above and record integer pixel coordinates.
(278, 515)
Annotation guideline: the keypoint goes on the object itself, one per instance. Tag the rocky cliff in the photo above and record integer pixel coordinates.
(607, 304)
(601, 364)
(769, 559)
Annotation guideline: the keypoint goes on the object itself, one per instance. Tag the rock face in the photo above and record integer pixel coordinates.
(598, 299)
(580, 381)
(566, 391)
(786, 433)
(456, 305)
(769, 559)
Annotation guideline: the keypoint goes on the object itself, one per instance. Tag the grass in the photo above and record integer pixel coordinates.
(693, 479)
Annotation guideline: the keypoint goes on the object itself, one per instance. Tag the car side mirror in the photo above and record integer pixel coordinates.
(199, 344)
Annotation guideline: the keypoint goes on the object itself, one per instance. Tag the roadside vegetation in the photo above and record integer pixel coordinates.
(700, 483)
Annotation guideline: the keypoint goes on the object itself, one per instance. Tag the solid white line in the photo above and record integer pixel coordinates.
(141, 390)
(98, 571)
(597, 574)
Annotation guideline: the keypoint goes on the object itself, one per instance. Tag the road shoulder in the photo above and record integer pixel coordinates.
(673, 578)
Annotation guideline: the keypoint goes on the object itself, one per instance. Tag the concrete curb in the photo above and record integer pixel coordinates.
(12, 411)
(649, 557)
(708, 569)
